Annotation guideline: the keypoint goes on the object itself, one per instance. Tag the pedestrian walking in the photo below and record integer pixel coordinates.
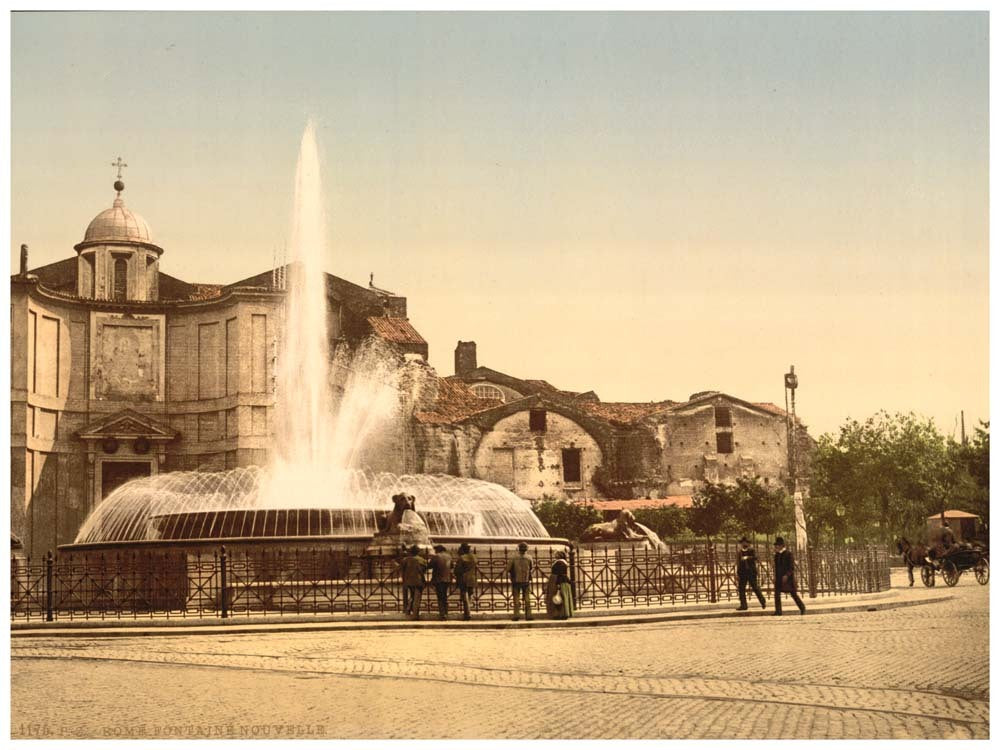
(519, 570)
(441, 578)
(746, 574)
(558, 591)
(466, 575)
(413, 567)
(784, 576)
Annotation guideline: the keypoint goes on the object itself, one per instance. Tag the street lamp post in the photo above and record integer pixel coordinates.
(801, 537)
(841, 511)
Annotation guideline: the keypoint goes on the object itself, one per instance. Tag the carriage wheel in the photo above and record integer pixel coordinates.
(983, 571)
(927, 575)
(950, 572)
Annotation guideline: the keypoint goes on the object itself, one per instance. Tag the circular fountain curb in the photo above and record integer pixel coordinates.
(100, 629)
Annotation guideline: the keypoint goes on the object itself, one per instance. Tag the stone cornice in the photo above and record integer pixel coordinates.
(227, 297)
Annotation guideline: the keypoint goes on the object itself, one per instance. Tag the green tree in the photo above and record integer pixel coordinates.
(669, 522)
(711, 507)
(565, 519)
(757, 508)
(970, 475)
(880, 478)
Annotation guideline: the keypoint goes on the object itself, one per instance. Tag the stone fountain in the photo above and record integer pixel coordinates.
(320, 483)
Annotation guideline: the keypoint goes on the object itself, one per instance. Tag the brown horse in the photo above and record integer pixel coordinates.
(914, 555)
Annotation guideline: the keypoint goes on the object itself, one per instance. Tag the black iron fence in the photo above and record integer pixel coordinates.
(268, 580)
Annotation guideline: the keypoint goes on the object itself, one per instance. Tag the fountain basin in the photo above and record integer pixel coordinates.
(241, 504)
(296, 522)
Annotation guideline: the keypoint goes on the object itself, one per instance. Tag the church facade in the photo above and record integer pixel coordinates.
(119, 370)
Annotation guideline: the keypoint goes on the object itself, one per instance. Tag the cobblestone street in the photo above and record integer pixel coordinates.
(855, 675)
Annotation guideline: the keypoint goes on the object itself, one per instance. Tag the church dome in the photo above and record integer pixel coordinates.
(118, 224)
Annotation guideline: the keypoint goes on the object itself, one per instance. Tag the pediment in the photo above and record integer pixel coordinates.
(128, 424)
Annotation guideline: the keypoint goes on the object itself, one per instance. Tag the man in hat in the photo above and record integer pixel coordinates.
(519, 570)
(746, 573)
(413, 567)
(784, 576)
(947, 539)
(466, 575)
(441, 578)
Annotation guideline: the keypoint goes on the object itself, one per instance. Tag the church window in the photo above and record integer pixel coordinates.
(489, 392)
(536, 420)
(723, 416)
(571, 465)
(724, 442)
(121, 279)
(90, 276)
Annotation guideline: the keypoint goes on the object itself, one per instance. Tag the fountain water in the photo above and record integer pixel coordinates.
(335, 415)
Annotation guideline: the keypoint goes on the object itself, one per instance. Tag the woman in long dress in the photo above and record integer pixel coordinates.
(558, 592)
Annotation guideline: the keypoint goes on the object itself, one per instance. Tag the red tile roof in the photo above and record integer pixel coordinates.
(952, 514)
(545, 385)
(205, 291)
(768, 406)
(396, 330)
(623, 413)
(454, 402)
(679, 501)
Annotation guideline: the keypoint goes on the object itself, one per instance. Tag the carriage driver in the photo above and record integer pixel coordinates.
(944, 544)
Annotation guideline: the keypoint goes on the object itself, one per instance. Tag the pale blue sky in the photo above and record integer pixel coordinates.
(647, 205)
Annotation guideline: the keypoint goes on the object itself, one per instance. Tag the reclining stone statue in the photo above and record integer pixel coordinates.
(623, 529)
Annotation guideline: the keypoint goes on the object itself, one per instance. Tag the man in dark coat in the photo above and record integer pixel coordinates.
(519, 569)
(746, 573)
(441, 578)
(784, 576)
(412, 568)
(946, 539)
(466, 574)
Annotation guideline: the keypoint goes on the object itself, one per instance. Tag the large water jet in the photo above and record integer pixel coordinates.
(335, 412)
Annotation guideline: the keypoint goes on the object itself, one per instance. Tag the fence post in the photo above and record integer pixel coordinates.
(811, 552)
(573, 574)
(223, 588)
(48, 586)
(713, 588)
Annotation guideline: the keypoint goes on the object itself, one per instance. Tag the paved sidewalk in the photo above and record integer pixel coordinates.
(855, 674)
(890, 599)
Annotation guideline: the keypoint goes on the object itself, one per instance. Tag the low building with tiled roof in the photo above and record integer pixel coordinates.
(540, 441)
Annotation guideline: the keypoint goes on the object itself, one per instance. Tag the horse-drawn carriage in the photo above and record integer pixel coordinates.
(955, 562)
(950, 564)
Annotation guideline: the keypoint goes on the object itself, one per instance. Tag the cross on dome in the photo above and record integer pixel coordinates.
(119, 185)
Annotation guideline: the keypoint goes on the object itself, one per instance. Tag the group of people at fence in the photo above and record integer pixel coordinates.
(464, 573)
(521, 568)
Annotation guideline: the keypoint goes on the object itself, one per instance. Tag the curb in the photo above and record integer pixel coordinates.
(189, 627)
